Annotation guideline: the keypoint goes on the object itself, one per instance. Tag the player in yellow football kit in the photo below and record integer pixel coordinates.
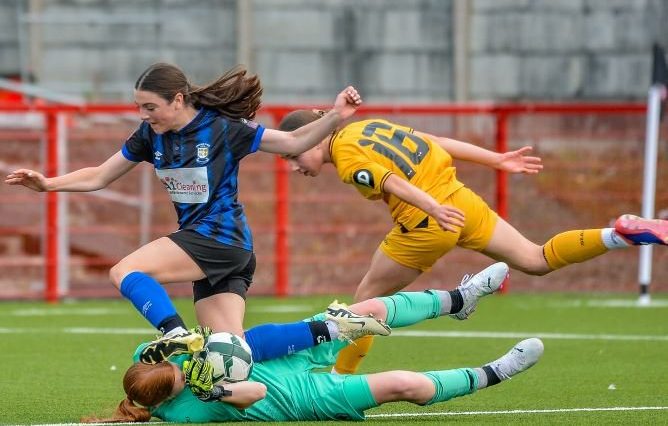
(434, 212)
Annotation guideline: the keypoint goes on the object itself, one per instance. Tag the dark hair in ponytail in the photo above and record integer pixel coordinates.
(234, 94)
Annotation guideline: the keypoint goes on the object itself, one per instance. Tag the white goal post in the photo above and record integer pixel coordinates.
(657, 94)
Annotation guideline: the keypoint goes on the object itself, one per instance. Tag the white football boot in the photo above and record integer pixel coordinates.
(473, 287)
(353, 326)
(520, 358)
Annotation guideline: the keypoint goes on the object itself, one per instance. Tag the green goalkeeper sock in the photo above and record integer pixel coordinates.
(452, 383)
(407, 308)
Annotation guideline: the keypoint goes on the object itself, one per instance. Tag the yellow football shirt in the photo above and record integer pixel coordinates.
(366, 153)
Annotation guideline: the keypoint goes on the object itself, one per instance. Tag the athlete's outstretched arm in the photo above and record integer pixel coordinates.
(448, 217)
(308, 136)
(512, 161)
(244, 394)
(82, 180)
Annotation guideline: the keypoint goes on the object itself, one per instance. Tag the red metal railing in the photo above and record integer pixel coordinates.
(501, 113)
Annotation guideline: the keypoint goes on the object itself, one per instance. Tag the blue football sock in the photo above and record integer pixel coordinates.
(148, 297)
(269, 341)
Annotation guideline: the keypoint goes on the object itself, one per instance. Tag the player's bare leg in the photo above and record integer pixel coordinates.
(384, 277)
(442, 385)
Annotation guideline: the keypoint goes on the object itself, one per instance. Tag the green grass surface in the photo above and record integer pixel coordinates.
(65, 361)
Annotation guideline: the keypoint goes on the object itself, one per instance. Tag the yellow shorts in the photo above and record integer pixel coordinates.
(419, 248)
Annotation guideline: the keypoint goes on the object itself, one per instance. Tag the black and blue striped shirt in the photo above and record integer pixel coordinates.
(199, 167)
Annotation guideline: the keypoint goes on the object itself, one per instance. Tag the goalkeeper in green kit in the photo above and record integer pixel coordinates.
(287, 388)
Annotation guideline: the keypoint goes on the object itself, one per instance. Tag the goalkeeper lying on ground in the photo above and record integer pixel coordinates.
(287, 388)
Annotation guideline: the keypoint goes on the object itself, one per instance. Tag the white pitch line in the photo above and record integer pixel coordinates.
(93, 424)
(79, 330)
(43, 312)
(296, 308)
(69, 310)
(282, 309)
(546, 411)
(444, 413)
(611, 303)
(521, 335)
(396, 333)
(94, 330)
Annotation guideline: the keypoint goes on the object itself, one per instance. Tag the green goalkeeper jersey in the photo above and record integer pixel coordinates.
(294, 392)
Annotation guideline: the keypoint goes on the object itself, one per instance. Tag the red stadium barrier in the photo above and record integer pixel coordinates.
(300, 265)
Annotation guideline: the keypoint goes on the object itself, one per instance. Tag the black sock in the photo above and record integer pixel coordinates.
(319, 332)
(492, 378)
(457, 301)
(170, 323)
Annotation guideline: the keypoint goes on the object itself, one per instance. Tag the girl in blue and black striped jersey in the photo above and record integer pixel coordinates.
(195, 137)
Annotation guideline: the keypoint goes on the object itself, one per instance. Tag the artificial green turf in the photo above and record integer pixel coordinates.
(50, 376)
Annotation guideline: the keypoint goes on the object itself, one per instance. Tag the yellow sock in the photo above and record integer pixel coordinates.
(351, 356)
(573, 247)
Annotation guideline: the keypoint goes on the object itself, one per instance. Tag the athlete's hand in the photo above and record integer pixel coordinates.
(347, 102)
(28, 178)
(199, 376)
(519, 162)
(449, 218)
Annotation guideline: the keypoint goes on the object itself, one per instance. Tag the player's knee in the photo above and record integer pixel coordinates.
(404, 386)
(117, 273)
(537, 269)
(115, 276)
(540, 272)
(371, 306)
(540, 265)
(533, 263)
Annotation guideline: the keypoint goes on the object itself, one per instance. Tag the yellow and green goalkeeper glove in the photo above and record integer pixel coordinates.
(202, 330)
(199, 376)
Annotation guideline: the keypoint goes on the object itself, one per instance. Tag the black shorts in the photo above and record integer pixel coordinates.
(228, 269)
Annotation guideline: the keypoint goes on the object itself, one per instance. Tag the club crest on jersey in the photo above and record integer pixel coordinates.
(202, 152)
(157, 155)
(363, 177)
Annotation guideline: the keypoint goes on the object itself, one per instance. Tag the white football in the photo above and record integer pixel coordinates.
(230, 357)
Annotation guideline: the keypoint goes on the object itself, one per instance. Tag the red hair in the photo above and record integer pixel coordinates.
(147, 385)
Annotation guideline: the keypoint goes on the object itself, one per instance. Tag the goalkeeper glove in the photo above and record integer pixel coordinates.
(202, 330)
(215, 394)
(199, 376)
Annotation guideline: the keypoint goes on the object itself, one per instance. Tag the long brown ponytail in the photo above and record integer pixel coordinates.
(235, 94)
(147, 385)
